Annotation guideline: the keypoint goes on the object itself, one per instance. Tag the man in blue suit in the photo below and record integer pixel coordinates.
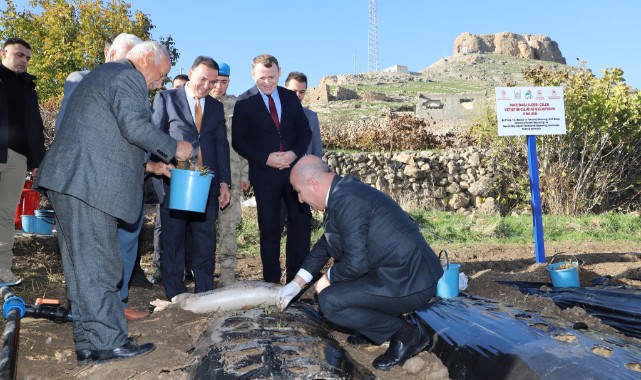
(271, 131)
(189, 113)
(383, 267)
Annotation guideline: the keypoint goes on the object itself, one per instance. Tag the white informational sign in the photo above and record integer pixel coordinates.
(530, 111)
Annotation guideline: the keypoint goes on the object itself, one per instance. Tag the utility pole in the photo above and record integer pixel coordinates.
(354, 61)
(372, 39)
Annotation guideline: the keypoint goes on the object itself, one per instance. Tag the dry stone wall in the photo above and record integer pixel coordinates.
(454, 179)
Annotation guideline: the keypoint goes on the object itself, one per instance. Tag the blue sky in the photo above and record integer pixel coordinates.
(330, 37)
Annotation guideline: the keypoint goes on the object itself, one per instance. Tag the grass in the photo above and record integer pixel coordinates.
(444, 227)
(458, 228)
(394, 89)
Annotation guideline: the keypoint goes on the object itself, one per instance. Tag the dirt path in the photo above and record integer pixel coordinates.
(46, 348)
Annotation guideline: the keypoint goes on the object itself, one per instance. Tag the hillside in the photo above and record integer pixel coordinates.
(363, 99)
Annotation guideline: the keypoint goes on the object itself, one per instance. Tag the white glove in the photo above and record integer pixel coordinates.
(286, 294)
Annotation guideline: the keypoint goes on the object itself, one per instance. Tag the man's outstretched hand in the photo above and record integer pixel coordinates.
(286, 294)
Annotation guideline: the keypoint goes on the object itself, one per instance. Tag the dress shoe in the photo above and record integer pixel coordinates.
(127, 350)
(139, 280)
(357, 339)
(84, 356)
(132, 314)
(408, 341)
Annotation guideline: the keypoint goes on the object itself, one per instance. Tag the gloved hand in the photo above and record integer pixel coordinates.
(286, 294)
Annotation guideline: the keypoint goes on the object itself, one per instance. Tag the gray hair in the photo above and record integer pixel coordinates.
(159, 50)
(122, 44)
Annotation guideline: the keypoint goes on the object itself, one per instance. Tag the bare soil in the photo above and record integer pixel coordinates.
(47, 350)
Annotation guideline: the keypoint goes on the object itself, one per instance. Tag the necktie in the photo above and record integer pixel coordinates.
(274, 115)
(198, 119)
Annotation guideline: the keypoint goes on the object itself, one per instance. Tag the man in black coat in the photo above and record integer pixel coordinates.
(270, 130)
(21, 141)
(383, 267)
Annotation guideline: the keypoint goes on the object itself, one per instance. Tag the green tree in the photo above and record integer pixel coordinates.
(68, 36)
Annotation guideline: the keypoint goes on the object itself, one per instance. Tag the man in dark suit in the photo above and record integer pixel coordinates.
(271, 131)
(93, 175)
(383, 267)
(189, 113)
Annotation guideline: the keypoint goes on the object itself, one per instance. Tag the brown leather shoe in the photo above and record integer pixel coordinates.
(132, 314)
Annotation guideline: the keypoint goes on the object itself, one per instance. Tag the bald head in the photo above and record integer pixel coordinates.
(311, 178)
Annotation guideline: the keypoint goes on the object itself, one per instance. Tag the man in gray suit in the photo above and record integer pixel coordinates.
(297, 82)
(115, 49)
(93, 175)
(383, 267)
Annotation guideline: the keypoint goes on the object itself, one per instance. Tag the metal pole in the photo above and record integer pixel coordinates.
(535, 191)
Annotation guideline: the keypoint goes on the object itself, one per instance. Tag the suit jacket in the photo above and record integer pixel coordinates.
(254, 134)
(99, 153)
(372, 240)
(170, 113)
(315, 146)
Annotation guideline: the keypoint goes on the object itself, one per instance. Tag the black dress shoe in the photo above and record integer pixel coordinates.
(357, 339)
(139, 280)
(408, 341)
(84, 356)
(127, 350)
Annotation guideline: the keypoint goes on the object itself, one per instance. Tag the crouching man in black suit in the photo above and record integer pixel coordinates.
(383, 267)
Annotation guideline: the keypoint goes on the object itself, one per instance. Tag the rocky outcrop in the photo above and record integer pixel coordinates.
(461, 180)
(516, 45)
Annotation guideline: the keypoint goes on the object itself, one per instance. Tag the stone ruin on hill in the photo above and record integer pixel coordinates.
(528, 46)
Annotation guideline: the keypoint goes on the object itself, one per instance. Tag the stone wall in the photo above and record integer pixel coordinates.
(454, 179)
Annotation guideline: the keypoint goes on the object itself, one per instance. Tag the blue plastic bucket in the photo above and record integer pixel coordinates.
(564, 278)
(189, 190)
(447, 286)
(39, 225)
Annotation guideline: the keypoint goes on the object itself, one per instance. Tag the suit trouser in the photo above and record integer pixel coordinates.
(203, 228)
(228, 220)
(299, 216)
(349, 305)
(157, 239)
(93, 268)
(12, 176)
(128, 234)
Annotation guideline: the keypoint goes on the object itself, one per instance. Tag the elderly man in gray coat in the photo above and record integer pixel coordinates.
(93, 175)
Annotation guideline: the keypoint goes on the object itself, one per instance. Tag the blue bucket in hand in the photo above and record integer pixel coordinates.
(189, 190)
(38, 225)
(447, 286)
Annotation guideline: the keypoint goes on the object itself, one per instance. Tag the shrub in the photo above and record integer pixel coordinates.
(594, 166)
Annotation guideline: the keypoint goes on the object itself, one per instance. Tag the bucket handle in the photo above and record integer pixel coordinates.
(46, 219)
(447, 258)
(551, 261)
